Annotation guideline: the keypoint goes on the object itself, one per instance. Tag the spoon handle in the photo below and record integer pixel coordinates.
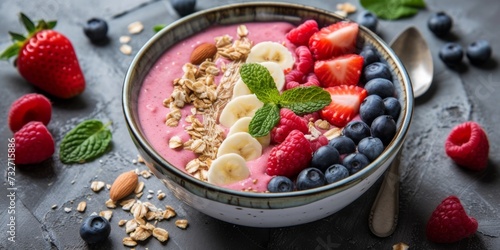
(384, 213)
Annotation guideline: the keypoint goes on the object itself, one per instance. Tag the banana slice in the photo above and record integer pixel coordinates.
(228, 169)
(240, 88)
(271, 52)
(241, 143)
(241, 125)
(241, 106)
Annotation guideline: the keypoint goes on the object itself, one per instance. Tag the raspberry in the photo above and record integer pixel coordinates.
(291, 85)
(294, 76)
(449, 222)
(312, 80)
(290, 157)
(318, 142)
(29, 107)
(467, 145)
(34, 143)
(288, 121)
(304, 63)
(300, 35)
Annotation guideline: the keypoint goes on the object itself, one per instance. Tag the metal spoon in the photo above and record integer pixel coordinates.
(415, 55)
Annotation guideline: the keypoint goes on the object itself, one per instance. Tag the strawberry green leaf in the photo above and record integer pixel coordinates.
(28, 24)
(17, 37)
(264, 120)
(11, 51)
(303, 100)
(393, 9)
(85, 142)
(51, 24)
(260, 82)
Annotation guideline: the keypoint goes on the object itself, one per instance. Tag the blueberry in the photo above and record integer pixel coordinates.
(381, 87)
(392, 107)
(355, 162)
(183, 7)
(356, 130)
(279, 184)
(96, 29)
(377, 70)
(371, 108)
(369, 20)
(343, 144)
(440, 23)
(369, 55)
(451, 53)
(95, 229)
(310, 178)
(479, 52)
(384, 128)
(324, 157)
(335, 173)
(371, 147)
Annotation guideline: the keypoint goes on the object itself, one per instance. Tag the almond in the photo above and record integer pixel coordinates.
(202, 52)
(124, 185)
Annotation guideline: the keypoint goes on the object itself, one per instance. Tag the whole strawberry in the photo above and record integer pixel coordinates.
(291, 156)
(34, 143)
(450, 223)
(46, 59)
(467, 144)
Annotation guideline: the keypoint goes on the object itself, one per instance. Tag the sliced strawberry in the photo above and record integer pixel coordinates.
(343, 70)
(334, 40)
(345, 104)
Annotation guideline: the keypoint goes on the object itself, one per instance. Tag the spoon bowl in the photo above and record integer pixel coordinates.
(412, 50)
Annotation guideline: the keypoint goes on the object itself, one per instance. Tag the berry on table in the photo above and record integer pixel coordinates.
(345, 104)
(334, 40)
(34, 143)
(381, 87)
(369, 20)
(288, 122)
(478, 52)
(468, 145)
(343, 144)
(377, 70)
(440, 23)
(355, 162)
(369, 55)
(27, 108)
(324, 157)
(449, 222)
(371, 108)
(301, 34)
(392, 107)
(183, 7)
(279, 184)
(356, 130)
(384, 128)
(451, 53)
(289, 157)
(95, 229)
(336, 173)
(371, 147)
(310, 178)
(96, 29)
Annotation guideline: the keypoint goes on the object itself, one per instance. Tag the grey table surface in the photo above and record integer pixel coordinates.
(427, 175)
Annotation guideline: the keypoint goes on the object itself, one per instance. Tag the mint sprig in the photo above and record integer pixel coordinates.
(301, 100)
(393, 9)
(86, 141)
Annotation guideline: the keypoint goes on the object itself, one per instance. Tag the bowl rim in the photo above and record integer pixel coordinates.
(392, 148)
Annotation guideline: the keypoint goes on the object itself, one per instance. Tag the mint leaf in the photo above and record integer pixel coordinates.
(264, 120)
(260, 82)
(86, 141)
(158, 27)
(304, 100)
(393, 9)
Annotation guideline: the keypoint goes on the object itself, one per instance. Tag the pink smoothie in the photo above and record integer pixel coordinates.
(158, 85)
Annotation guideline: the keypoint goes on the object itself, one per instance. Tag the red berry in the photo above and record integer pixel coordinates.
(301, 34)
(29, 107)
(449, 222)
(318, 142)
(291, 85)
(304, 62)
(343, 70)
(288, 121)
(345, 104)
(290, 157)
(467, 145)
(294, 76)
(34, 143)
(335, 40)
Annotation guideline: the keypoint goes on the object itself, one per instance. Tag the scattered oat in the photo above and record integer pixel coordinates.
(161, 196)
(139, 195)
(106, 214)
(341, 13)
(134, 161)
(108, 186)
(129, 242)
(97, 186)
(169, 212)
(125, 39)
(54, 206)
(348, 8)
(73, 182)
(160, 234)
(149, 196)
(140, 159)
(81, 206)
(141, 233)
(145, 174)
(400, 246)
(67, 209)
(126, 49)
(332, 133)
(182, 224)
(110, 204)
(139, 187)
(135, 27)
(151, 191)
(127, 204)
(122, 222)
(131, 225)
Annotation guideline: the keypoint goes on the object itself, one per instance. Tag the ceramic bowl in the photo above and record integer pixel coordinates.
(248, 208)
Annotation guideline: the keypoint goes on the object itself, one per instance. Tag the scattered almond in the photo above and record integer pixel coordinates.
(124, 185)
(400, 246)
(202, 52)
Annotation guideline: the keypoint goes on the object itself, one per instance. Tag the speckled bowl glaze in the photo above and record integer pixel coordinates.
(247, 208)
